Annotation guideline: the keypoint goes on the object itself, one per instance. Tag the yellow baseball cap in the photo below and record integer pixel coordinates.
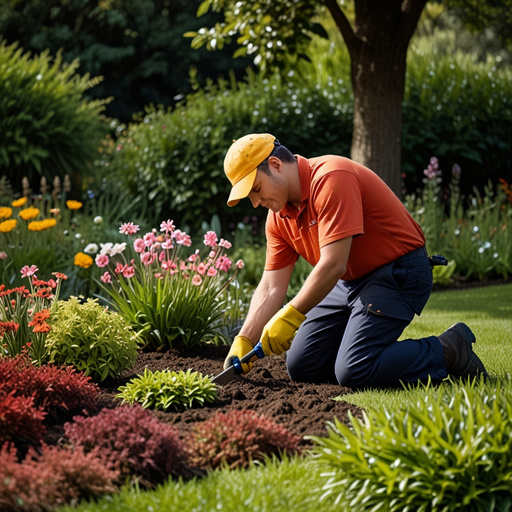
(241, 161)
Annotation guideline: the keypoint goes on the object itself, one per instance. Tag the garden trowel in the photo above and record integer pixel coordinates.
(236, 368)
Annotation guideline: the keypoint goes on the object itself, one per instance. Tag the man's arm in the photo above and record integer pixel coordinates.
(268, 298)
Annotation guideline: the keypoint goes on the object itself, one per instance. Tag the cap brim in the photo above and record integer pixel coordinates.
(242, 188)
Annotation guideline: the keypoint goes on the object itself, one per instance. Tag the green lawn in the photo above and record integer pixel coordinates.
(295, 484)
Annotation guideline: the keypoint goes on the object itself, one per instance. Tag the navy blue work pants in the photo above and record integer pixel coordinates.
(351, 336)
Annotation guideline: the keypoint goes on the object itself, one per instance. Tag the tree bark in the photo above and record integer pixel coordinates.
(378, 51)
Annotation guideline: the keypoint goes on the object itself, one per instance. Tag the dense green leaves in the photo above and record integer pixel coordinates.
(448, 453)
(48, 127)
(166, 390)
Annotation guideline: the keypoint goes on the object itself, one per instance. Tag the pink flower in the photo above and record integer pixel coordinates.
(168, 265)
(167, 226)
(106, 278)
(211, 272)
(3, 255)
(225, 244)
(148, 258)
(201, 268)
(119, 268)
(128, 271)
(212, 254)
(129, 228)
(210, 239)
(102, 260)
(139, 245)
(223, 263)
(239, 264)
(196, 280)
(149, 239)
(167, 244)
(27, 271)
(182, 238)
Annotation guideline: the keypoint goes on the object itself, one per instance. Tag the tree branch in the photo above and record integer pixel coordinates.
(411, 12)
(341, 22)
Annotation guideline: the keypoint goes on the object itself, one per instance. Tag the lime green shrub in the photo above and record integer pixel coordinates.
(449, 452)
(95, 340)
(47, 125)
(169, 390)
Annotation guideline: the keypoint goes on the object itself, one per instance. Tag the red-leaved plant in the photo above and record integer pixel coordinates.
(20, 421)
(51, 478)
(237, 438)
(135, 442)
(59, 391)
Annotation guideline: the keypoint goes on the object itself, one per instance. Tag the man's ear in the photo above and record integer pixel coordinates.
(275, 163)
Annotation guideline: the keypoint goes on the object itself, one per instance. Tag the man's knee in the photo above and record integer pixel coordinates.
(352, 376)
(300, 370)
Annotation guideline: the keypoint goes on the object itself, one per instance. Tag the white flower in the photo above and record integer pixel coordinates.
(117, 249)
(98, 220)
(91, 249)
(105, 248)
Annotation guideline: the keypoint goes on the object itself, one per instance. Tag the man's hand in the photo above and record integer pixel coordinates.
(240, 346)
(279, 332)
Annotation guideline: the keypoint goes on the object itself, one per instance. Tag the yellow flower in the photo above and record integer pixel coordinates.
(5, 212)
(83, 260)
(73, 205)
(19, 202)
(29, 213)
(8, 225)
(40, 225)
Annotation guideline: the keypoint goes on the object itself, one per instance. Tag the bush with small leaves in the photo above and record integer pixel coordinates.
(53, 477)
(169, 390)
(130, 438)
(97, 341)
(446, 452)
(20, 421)
(238, 438)
(59, 391)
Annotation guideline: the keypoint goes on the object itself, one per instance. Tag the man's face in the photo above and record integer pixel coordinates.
(269, 191)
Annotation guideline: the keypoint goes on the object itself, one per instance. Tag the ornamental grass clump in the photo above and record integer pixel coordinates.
(95, 340)
(133, 441)
(238, 438)
(449, 452)
(173, 300)
(166, 390)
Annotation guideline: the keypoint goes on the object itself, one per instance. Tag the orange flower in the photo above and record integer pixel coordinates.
(5, 212)
(83, 260)
(29, 213)
(8, 225)
(42, 327)
(74, 205)
(40, 316)
(19, 202)
(40, 225)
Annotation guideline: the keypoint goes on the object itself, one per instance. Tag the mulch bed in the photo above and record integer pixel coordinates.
(303, 408)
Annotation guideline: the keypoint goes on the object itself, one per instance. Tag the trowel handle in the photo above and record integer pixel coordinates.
(256, 351)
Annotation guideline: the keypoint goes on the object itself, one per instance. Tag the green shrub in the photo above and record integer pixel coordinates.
(169, 390)
(95, 340)
(450, 452)
(238, 438)
(47, 124)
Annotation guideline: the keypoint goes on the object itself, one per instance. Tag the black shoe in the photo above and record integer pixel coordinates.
(459, 358)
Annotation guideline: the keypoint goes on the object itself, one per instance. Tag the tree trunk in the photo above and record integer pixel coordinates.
(378, 51)
(378, 81)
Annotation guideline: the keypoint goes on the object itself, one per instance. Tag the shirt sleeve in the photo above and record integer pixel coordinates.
(338, 200)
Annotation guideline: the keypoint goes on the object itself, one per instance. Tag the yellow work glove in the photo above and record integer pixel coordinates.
(279, 332)
(240, 346)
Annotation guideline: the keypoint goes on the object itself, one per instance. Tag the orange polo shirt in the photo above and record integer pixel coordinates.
(341, 198)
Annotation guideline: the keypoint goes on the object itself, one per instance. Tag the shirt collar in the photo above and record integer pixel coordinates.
(289, 210)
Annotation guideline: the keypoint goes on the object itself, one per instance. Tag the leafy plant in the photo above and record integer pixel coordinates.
(239, 438)
(169, 390)
(53, 477)
(133, 441)
(95, 340)
(448, 453)
(58, 391)
(173, 300)
(47, 122)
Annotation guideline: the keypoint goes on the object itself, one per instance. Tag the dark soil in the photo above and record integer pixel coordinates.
(302, 408)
